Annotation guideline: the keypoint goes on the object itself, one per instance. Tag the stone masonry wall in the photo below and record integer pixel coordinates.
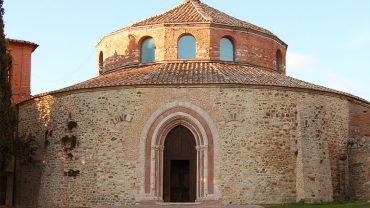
(321, 128)
(274, 144)
(123, 48)
(257, 127)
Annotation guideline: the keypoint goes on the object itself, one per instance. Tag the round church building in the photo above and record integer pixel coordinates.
(193, 106)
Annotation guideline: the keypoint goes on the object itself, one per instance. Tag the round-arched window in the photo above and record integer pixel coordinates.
(186, 47)
(226, 50)
(278, 60)
(101, 60)
(148, 50)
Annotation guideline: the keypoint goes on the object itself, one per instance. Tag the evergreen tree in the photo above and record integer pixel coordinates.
(10, 145)
(8, 119)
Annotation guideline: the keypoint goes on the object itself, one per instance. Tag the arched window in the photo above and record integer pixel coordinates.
(148, 50)
(186, 47)
(278, 60)
(101, 60)
(226, 50)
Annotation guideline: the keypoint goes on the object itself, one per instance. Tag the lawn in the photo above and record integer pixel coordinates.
(329, 205)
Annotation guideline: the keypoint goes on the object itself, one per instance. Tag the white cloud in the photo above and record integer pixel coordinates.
(299, 61)
(308, 68)
(360, 39)
(338, 82)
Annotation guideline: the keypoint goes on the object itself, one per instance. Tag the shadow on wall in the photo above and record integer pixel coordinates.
(28, 177)
(57, 159)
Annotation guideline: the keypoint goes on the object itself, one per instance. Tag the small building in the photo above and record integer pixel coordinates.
(193, 105)
(20, 80)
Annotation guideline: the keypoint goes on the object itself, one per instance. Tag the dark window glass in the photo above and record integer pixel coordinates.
(186, 47)
(101, 60)
(226, 50)
(148, 50)
(278, 60)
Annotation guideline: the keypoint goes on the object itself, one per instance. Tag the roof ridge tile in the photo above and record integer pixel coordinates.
(198, 7)
(156, 15)
(172, 16)
(194, 11)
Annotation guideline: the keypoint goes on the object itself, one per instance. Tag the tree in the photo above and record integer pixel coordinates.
(10, 145)
(7, 114)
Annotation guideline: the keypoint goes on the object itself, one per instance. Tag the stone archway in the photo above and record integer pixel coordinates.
(155, 133)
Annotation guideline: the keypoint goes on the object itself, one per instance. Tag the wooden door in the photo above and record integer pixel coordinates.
(3, 187)
(179, 177)
(179, 181)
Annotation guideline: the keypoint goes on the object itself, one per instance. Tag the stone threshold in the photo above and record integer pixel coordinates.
(186, 205)
(196, 205)
(178, 203)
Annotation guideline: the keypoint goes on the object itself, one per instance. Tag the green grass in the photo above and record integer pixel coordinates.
(326, 205)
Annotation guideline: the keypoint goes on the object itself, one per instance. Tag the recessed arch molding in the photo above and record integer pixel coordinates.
(200, 124)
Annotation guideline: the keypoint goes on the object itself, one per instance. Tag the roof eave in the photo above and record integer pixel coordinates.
(24, 42)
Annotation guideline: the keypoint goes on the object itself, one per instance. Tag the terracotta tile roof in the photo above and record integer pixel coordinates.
(23, 42)
(196, 73)
(193, 11)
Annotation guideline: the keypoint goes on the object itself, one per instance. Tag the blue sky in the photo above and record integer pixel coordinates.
(329, 41)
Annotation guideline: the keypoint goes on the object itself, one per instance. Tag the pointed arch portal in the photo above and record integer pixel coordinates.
(179, 157)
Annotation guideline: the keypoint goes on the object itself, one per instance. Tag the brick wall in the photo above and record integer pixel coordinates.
(358, 151)
(123, 47)
(21, 69)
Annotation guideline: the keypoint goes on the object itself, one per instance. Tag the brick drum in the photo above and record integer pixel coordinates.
(261, 137)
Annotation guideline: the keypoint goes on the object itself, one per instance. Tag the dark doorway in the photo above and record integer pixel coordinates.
(3, 187)
(179, 177)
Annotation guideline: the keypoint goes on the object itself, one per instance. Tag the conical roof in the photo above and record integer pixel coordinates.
(194, 11)
(197, 73)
